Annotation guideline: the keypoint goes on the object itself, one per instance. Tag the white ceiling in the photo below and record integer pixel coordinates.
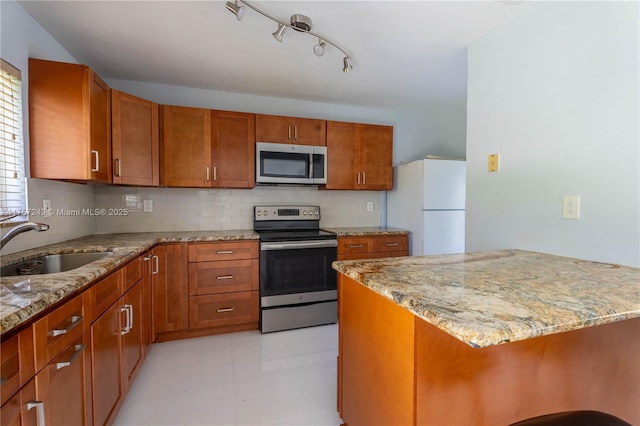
(408, 55)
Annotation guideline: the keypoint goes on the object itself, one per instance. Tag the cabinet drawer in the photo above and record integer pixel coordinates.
(132, 273)
(207, 252)
(106, 292)
(16, 356)
(390, 243)
(355, 245)
(223, 309)
(223, 277)
(58, 330)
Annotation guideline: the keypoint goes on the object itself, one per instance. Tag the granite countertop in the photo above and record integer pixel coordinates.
(366, 231)
(485, 299)
(21, 300)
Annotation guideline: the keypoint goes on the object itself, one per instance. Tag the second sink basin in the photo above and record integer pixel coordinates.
(51, 263)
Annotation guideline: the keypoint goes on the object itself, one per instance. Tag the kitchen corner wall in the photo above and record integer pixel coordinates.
(184, 209)
(555, 91)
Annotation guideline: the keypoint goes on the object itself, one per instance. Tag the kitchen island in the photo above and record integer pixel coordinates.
(486, 338)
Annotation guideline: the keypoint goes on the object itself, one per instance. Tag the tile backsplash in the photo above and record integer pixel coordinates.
(186, 209)
(68, 219)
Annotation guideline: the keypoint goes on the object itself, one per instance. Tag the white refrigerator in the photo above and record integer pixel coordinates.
(428, 200)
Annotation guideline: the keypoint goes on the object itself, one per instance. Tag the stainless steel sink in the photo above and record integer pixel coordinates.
(51, 263)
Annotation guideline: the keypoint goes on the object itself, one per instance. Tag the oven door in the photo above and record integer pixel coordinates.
(297, 267)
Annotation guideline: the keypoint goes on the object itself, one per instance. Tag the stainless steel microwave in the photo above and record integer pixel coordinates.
(290, 164)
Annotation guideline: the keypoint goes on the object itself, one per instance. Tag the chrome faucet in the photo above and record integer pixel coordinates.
(19, 229)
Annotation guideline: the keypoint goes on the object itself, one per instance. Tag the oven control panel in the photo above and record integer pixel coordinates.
(286, 213)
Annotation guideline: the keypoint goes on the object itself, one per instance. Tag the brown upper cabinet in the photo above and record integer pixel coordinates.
(207, 149)
(301, 131)
(359, 156)
(234, 148)
(69, 122)
(134, 140)
(186, 146)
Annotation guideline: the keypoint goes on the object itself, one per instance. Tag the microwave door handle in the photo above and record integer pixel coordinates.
(311, 166)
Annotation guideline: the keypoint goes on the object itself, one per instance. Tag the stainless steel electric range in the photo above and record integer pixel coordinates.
(298, 287)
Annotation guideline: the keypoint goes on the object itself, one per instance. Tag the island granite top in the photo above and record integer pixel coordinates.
(485, 299)
(21, 300)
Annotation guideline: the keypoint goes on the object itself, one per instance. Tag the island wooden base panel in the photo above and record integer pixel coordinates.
(396, 369)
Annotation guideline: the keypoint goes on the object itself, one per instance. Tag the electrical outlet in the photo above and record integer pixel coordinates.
(369, 206)
(494, 163)
(47, 211)
(148, 206)
(571, 207)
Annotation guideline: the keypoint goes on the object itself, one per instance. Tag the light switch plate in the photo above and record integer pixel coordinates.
(148, 206)
(494, 163)
(369, 206)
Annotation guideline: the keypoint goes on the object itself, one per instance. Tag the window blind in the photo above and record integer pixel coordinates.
(12, 175)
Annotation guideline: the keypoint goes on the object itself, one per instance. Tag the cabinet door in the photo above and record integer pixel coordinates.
(132, 337)
(273, 128)
(170, 287)
(341, 155)
(308, 131)
(61, 385)
(135, 142)
(375, 151)
(16, 412)
(186, 144)
(106, 364)
(69, 122)
(147, 304)
(233, 135)
(100, 128)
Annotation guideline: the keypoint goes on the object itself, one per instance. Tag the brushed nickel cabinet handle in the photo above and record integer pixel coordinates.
(76, 353)
(39, 406)
(224, 277)
(226, 310)
(127, 313)
(289, 129)
(392, 244)
(224, 252)
(208, 173)
(75, 320)
(358, 178)
(295, 132)
(364, 178)
(156, 265)
(118, 168)
(97, 154)
(356, 246)
(215, 173)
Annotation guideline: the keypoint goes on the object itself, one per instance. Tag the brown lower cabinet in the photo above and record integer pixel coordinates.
(75, 365)
(62, 385)
(374, 246)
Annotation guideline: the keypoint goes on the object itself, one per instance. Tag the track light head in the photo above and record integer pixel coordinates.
(318, 49)
(347, 64)
(236, 9)
(279, 32)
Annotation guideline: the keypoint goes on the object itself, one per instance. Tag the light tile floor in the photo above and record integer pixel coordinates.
(248, 378)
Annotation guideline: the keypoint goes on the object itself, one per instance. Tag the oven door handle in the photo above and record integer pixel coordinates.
(294, 245)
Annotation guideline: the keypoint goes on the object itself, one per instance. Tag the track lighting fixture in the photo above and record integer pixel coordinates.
(318, 49)
(236, 9)
(279, 32)
(298, 22)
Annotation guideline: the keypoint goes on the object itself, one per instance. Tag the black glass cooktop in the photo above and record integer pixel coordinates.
(296, 235)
